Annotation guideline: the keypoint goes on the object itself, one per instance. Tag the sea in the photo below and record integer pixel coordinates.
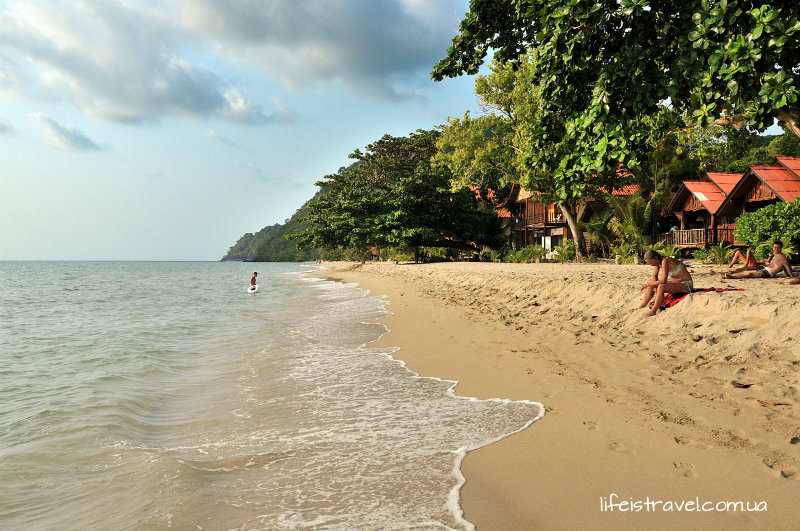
(161, 395)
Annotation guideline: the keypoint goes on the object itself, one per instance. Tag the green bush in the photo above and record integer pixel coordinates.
(671, 250)
(719, 254)
(538, 252)
(700, 254)
(565, 252)
(626, 250)
(779, 221)
(525, 254)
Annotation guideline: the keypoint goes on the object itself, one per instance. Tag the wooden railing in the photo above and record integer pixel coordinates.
(686, 237)
(697, 237)
(526, 221)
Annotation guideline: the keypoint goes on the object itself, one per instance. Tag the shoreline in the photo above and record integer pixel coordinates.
(629, 411)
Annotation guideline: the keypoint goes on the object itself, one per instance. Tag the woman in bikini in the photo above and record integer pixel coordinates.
(674, 278)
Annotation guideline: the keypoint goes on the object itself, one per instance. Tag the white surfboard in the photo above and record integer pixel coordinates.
(253, 289)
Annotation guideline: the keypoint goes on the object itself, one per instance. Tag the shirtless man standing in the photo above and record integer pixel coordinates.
(253, 279)
(777, 263)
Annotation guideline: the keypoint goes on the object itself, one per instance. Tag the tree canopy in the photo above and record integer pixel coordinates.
(600, 67)
(393, 196)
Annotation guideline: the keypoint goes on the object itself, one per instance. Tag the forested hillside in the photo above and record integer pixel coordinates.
(270, 244)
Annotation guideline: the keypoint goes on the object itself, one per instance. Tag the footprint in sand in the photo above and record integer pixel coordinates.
(619, 446)
(591, 425)
(687, 469)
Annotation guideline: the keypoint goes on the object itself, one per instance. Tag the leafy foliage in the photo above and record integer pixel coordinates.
(726, 149)
(779, 221)
(599, 232)
(669, 250)
(631, 221)
(719, 254)
(565, 252)
(501, 145)
(530, 253)
(600, 67)
(393, 196)
(477, 151)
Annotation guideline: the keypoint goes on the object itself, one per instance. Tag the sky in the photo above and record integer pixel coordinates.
(167, 129)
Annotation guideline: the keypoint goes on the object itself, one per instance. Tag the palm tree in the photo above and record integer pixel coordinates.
(630, 221)
(599, 232)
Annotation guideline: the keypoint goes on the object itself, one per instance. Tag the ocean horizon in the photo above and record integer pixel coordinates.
(161, 395)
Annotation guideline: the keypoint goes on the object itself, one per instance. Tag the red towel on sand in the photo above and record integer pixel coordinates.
(671, 299)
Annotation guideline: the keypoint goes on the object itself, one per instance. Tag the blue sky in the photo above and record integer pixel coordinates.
(166, 129)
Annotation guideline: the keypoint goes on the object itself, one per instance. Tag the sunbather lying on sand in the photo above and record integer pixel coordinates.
(776, 263)
(675, 278)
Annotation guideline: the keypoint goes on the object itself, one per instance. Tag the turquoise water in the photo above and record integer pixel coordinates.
(163, 396)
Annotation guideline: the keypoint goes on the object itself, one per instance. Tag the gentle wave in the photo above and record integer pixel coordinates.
(157, 406)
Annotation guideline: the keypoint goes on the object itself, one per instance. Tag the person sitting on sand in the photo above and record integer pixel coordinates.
(674, 278)
(748, 260)
(777, 263)
(253, 279)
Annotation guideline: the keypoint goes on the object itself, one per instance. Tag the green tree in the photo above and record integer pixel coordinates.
(599, 231)
(602, 66)
(477, 151)
(632, 219)
(393, 196)
(480, 151)
(498, 146)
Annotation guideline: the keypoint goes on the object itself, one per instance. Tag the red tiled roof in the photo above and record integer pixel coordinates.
(725, 181)
(625, 190)
(708, 193)
(791, 163)
(782, 181)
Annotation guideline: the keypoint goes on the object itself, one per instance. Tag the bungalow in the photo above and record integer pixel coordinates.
(706, 210)
(532, 222)
(697, 205)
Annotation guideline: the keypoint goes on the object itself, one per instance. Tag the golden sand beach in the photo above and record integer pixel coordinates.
(674, 414)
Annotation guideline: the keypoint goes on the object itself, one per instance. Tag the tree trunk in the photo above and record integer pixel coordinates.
(789, 118)
(577, 235)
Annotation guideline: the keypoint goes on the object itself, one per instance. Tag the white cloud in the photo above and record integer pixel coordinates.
(65, 137)
(379, 47)
(113, 60)
(136, 62)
